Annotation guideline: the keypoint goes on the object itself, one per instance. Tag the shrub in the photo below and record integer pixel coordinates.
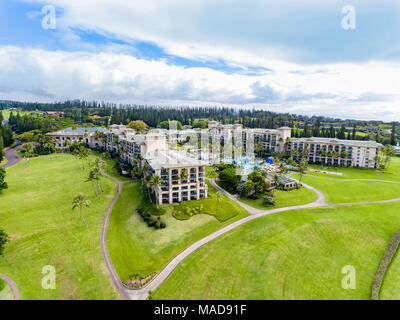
(385, 263)
(268, 201)
(151, 220)
(2, 284)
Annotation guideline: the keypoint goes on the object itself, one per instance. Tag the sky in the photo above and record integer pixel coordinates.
(303, 56)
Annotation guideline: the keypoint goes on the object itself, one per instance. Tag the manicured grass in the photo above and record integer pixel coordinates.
(36, 212)
(290, 255)
(226, 209)
(109, 167)
(211, 173)
(134, 247)
(390, 289)
(353, 191)
(284, 199)
(5, 291)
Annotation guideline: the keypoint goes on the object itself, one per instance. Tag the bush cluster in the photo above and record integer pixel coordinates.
(268, 201)
(152, 221)
(187, 212)
(385, 263)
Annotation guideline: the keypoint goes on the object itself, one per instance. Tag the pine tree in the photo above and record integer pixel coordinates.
(1, 149)
(393, 135)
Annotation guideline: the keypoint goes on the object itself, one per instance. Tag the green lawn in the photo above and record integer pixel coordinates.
(134, 247)
(5, 291)
(291, 255)
(109, 167)
(390, 289)
(284, 199)
(353, 191)
(226, 209)
(36, 212)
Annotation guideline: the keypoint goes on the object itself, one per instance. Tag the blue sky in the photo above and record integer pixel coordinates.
(281, 55)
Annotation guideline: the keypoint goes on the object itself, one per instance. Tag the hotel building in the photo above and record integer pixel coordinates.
(89, 135)
(177, 187)
(337, 152)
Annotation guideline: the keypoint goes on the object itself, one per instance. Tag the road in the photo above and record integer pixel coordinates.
(13, 286)
(11, 155)
(142, 293)
(13, 159)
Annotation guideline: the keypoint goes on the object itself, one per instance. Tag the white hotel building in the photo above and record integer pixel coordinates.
(349, 152)
(155, 150)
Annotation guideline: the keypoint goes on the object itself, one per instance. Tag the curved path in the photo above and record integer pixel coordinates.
(142, 293)
(11, 155)
(13, 286)
(13, 159)
(116, 281)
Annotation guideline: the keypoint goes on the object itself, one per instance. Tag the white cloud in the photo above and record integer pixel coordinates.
(363, 91)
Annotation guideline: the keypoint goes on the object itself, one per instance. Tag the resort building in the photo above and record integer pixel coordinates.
(272, 140)
(177, 186)
(93, 137)
(129, 144)
(337, 152)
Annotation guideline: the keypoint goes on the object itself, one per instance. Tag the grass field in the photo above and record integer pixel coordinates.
(5, 291)
(226, 209)
(284, 199)
(291, 255)
(390, 289)
(134, 247)
(36, 212)
(109, 167)
(353, 191)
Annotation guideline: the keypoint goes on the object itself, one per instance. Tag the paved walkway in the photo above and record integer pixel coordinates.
(142, 293)
(254, 214)
(13, 159)
(13, 286)
(116, 281)
(11, 155)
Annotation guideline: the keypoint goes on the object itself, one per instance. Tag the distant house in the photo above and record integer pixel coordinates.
(96, 116)
(54, 113)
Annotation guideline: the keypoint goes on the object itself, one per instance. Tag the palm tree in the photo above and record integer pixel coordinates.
(28, 153)
(81, 201)
(156, 181)
(389, 152)
(146, 183)
(81, 153)
(277, 180)
(98, 163)
(117, 142)
(97, 177)
(183, 175)
(218, 195)
(91, 178)
(136, 172)
(139, 159)
(122, 151)
(302, 168)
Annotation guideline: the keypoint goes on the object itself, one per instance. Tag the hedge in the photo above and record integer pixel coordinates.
(384, 265)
